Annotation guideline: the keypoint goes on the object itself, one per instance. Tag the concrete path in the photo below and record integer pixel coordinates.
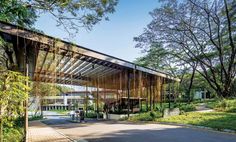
(202, 107)
(39, 132)
(108, 131)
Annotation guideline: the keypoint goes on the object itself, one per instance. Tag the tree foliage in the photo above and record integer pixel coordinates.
(197, 32)
(47, 89)
(13, 91)
(70, 14)
(16, 12)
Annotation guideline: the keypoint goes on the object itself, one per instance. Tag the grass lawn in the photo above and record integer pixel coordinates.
(216, 120)
(224, 116)
(63, 112)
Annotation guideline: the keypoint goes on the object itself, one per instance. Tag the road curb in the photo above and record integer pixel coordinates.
(228, 131)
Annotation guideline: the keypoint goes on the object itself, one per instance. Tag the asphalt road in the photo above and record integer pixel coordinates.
(108, 131)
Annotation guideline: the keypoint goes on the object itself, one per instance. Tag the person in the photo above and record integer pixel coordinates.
(72, 114)
(81, 114)
(105, 109)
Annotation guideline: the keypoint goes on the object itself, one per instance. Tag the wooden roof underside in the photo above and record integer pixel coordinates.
(61, 62)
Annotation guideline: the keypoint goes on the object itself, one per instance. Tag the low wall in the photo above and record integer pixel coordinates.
(117, 116)
(171, 112)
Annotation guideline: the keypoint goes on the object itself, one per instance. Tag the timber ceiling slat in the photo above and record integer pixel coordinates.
(104, 72)
(44, 59)
(100, 73)
(69, 65)
(77, 64)
(58, 74)
(95, 72)
(73, 65)
(77, 70)
(59, 81)
(111, 72)
(88, 67)
(96, 68)
(63, 63)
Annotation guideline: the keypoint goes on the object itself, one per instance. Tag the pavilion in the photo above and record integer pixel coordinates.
(47, 59)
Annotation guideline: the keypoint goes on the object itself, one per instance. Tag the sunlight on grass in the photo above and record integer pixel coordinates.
(217, 120)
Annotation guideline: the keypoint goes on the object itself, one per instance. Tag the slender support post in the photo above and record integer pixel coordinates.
(128, 89)
(153, 94)
(26, 73)
(117, 95)
(86, 103)
(173, 91)
(150, 91)
(97, 100)
(162, 91)
(140, 91)
(26, 107)
(146, 97)
(169, 93)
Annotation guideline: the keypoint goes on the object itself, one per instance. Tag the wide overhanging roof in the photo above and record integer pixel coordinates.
(66, 63)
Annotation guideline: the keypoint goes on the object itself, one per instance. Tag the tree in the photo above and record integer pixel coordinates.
(158, 58)
(198, 32)
(13, 91)
(70, 14)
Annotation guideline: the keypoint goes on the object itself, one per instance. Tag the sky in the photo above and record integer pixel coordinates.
(113, 37)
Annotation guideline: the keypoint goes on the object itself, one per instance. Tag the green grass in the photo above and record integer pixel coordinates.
(216, 120)
(63, 112)
(223, 118)
(32, 118)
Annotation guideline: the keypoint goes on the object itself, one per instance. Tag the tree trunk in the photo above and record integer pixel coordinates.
(1, 125)
(191, 83)
(1, 130)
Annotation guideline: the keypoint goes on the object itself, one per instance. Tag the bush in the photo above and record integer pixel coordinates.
(187, 107)
(226, 105)
(124, 118)
(35, 117)
(94, 115)
(14, 132)
(147, 116)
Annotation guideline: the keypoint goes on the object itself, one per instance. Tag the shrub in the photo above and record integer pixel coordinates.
(94, 115)
(36, 117)
(147, 116)
(226, 105)
(187, 107)
(124, 118)
(13, 132)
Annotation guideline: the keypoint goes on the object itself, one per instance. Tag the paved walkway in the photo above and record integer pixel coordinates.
(203, 108)
(39, 132)
(112, 131)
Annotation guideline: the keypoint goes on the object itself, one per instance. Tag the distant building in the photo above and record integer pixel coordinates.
(69, 100)
(201, 94)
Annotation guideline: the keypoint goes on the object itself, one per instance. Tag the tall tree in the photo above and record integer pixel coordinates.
(70, 14)
(197, 31)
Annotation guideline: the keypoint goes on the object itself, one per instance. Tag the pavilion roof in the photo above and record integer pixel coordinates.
(59, 61)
